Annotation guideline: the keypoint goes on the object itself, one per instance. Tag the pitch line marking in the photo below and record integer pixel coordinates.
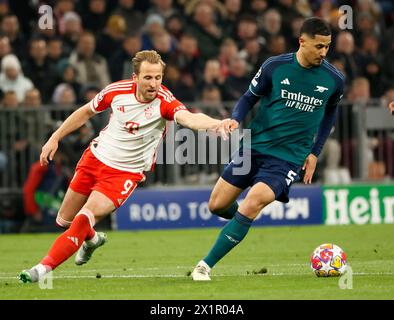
(136, 276)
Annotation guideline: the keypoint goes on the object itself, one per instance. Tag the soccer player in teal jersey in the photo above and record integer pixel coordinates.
(299, 93)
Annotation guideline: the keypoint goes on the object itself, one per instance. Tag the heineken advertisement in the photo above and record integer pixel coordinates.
(360, 204)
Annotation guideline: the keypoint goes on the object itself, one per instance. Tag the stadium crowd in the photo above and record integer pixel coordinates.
(212, 49)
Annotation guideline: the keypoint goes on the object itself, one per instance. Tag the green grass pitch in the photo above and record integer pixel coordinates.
(154, 265)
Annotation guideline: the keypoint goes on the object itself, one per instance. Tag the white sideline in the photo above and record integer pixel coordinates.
(136, 276)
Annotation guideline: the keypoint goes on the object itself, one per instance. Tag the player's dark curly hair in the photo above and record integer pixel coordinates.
(313, 26)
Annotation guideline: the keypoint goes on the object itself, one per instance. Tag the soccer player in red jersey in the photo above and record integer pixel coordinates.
(114, 163)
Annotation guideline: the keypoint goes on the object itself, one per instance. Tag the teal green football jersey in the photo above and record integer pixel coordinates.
(293, 102)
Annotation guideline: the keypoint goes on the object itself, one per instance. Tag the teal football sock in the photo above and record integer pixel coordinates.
(232, 234)
(229, 212)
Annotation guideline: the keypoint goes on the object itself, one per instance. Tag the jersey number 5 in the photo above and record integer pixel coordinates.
(290, 177)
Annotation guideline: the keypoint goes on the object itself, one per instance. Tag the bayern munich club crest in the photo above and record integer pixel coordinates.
(148, 112)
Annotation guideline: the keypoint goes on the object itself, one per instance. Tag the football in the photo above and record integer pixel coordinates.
(328, 260)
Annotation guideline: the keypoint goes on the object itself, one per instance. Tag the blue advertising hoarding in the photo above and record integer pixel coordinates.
(188, 208)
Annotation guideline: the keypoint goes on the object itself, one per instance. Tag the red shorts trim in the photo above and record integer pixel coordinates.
(91, 174)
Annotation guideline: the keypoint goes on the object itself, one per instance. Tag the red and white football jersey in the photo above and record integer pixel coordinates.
(130, 140)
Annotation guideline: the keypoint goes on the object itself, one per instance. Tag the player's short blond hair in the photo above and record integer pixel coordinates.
(150, 56)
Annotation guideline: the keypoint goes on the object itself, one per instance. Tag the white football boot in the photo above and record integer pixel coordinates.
(86, 250)
(201, 272)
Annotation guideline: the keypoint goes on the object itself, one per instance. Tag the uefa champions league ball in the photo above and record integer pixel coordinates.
(328, 260)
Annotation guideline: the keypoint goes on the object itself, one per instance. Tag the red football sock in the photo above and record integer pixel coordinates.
(64, 224)
(70, 241)
(91, 234)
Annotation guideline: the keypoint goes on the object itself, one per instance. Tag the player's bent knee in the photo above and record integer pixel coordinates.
(215, 206)
(252, 207)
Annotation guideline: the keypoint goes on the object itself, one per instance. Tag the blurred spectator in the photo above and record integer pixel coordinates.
(60, 10)
(325, 9)
(10, 100)
(276, 45)
(386, 144)
(184, 91)
(4, 8)
(164, 45)
(358, 96)
(72, 31)
(330, 163)
(271, 24)
(33, 102)
(368, 18)
(238, 80)
(64, 95)
(212, 76)
(257, 7)
(38, 68)
(253, 55)
(164, 8)
(10, 28)
(246, 29)
(292, 37)
(229, 22)
(95, 17)
(77, 142)
(88, 92)
(287, 12)
(388, 97)
(388, 70)
(91, 67)
(370, 62)
(66, 73)
(12, 78)
(303, 8)
(98, 122)
(228, 51)
(55, 50)
(5, 47)
(175, 25)
(111, 39)
(43, 192)
(154, 25)
(345, 50)
(205, 30)
(120, 61)
(339, 63)
(187, 59)
(218, 9)
(32, 98)
(134, 18)
(211, 99)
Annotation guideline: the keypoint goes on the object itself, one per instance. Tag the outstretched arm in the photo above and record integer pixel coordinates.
(200, 121)
(78, 118)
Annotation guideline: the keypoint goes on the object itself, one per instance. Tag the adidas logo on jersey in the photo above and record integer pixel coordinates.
(74, 240)
(285, 81)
